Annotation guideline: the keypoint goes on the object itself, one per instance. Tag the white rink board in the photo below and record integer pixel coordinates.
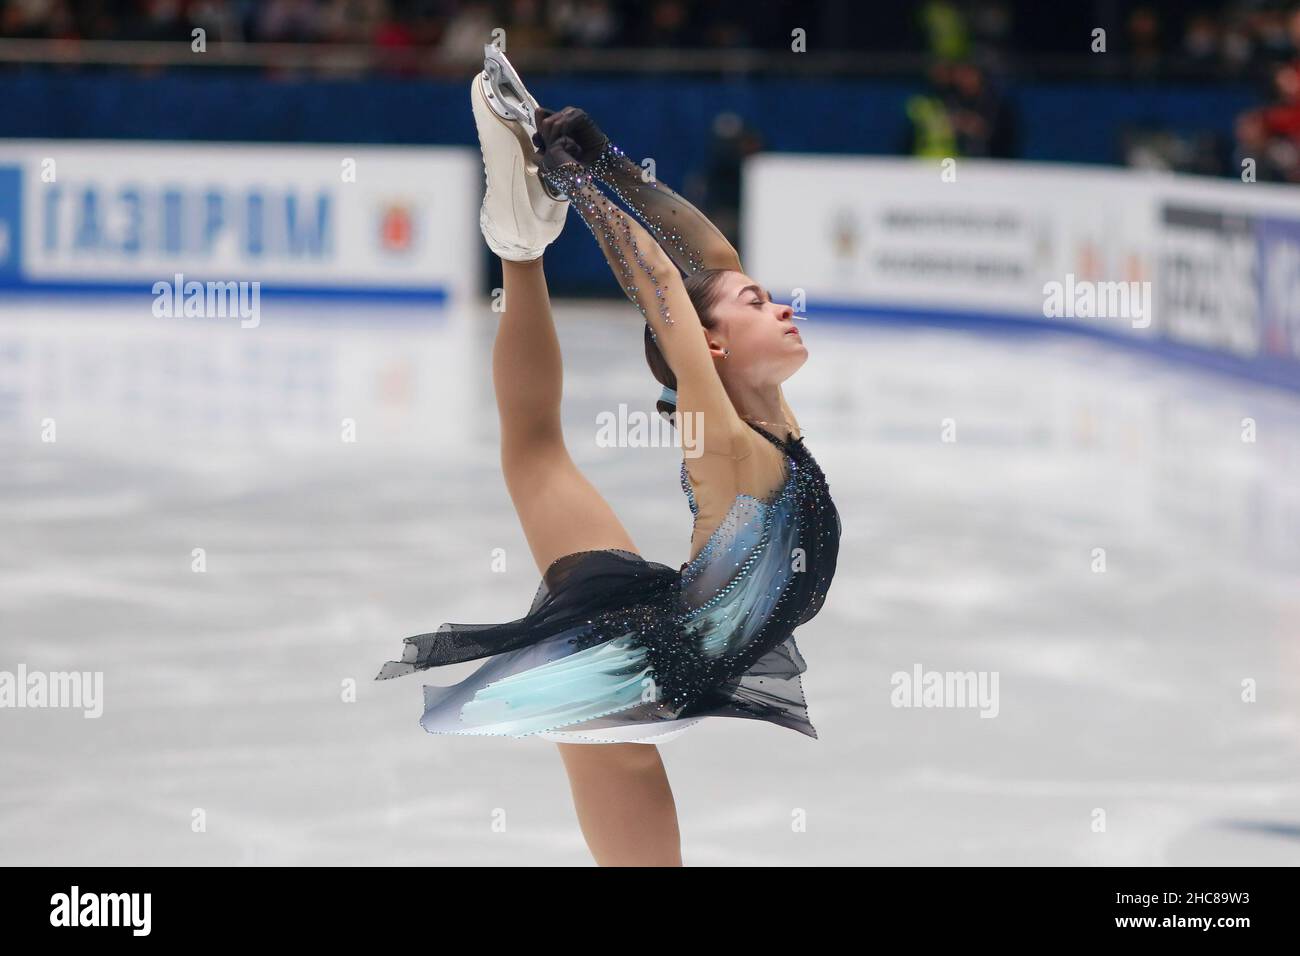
(857, 233)
(317, 219)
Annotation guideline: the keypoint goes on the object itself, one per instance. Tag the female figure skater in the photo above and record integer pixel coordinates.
(617, 652)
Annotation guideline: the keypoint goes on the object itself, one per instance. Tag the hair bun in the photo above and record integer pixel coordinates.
(666, 405)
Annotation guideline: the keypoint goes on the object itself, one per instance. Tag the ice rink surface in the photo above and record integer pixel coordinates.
(242, 695)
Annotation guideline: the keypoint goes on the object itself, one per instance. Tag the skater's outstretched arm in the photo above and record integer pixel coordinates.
(650, 279)
(686, 234)
(690, 239)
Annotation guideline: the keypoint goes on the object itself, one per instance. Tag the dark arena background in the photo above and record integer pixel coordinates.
(1047, 262)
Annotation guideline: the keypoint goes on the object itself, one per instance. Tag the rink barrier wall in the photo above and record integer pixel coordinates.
(396, 224)
(894, 240)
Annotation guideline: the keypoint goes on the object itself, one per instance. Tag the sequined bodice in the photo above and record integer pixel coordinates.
(761, 547)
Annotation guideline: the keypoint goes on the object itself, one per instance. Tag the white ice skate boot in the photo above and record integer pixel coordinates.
(520, 217)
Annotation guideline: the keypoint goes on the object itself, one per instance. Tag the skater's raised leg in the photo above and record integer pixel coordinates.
(620, 791)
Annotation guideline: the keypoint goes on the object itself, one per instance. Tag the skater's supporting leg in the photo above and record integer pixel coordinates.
(624, 803)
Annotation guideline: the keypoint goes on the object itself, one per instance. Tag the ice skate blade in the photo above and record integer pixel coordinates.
(505, 91)
(507, 97)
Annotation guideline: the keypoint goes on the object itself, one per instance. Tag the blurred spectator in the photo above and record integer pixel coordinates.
(1143, 49)
(1274, 40)
(527, 28)
(929, 127)
(217, 19)
(1152, 39)
(36, 19)
(670, 26)
(351, 21)
(288, 21)
(719, 197)
(945, 30)
(584, 23)
(468, 32)
(392, 35)
(980, 121)
(969, 43)
(1271, 135)
(990, 27)
(1201, 41)
(960, 115)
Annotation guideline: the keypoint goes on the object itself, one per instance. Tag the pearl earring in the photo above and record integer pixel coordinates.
(726, 352)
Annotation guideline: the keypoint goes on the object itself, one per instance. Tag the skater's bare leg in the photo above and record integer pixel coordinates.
(560, 510)
(625, 805)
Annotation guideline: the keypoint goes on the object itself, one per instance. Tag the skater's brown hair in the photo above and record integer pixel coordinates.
(702, 289)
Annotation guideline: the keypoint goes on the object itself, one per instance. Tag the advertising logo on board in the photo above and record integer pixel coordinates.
(1207, 286)
(396, 228)
(116, 217)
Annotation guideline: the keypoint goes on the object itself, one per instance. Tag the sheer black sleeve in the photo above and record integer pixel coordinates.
(686, 234)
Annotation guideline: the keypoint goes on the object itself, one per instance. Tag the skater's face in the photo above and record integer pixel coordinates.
(762, 343)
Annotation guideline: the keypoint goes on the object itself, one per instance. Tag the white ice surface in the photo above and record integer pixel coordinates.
(225, 690)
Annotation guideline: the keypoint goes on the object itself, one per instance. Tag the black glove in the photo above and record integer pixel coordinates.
(569, 136)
